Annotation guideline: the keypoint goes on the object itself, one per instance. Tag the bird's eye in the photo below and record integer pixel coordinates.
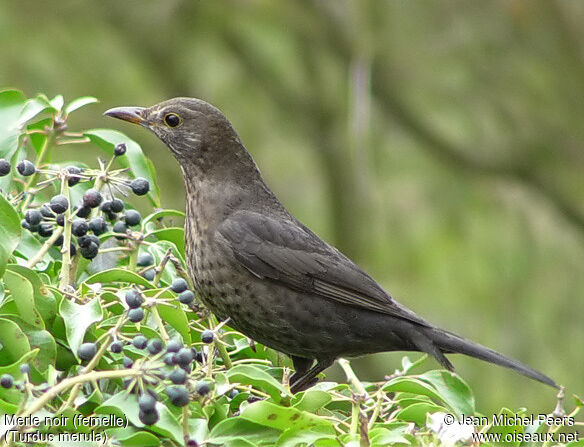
(172, 120)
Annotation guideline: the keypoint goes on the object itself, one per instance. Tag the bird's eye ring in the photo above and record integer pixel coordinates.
(172, 120)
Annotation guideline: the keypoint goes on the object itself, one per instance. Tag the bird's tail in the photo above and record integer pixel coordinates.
(439, 342)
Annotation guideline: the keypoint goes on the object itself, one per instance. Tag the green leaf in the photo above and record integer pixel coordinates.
(78, 318)
(9, 232)
(177, 318)
(294, 438)
(11, 105)
(417, 413)
(28, 247)
(285, 418)
(13, 341)
(452, 389)
(311, 400)
(253, 375)
(118, 275)
(234, 429)
(47, 346)
(441, 386)
(159, 215)
(78, 103)
(135, 159)
(45, 302)
(22, 293)
(173, 234)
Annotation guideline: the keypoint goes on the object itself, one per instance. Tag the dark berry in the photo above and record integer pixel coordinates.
(88, 239)
(106, 206)
(136, 315)
(120, 149)
(178, 376)
(92, 198)
(200, 357)
(111, 216)
(184, 357)
(98, 225)
(178, 395)
(173, 346)
(7, 381)
(169, 358)
(83, 211)
(24, 224)
(127, 362)
(117, 346)
(120, 227)
(207, 336)
(155, 346)
(251, 399)
(148, 418)
(139, 341)
(192, 443)
(79, 227)
(45, 229)
(24, 368)
(33, 217)
(179, 285)
(73, 178)
(202, 388)
(145, 259)
(116, 205)
(4, 167)
(59, 241)
(232, 393)
(87, 351)
(147, 403)
(59, 204)
(140, 186)
(187, 297)
(134, 299)
(46, 211)
(72, 249)
(89, 251)
(25, 168)
(149, 274)
(133, 217)
(60, 220)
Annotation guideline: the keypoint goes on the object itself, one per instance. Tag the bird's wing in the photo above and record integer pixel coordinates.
(287, 252)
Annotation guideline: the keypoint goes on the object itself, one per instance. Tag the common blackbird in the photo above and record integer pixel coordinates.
(277, 281)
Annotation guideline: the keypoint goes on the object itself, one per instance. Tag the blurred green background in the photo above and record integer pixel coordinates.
(439, 144)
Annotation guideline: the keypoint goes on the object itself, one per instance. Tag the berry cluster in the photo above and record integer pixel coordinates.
(92, 217)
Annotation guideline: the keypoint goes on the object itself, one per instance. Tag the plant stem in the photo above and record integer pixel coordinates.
(66, 250)
(351, 377)
(78, 381)
(220, 346)
(44, 249)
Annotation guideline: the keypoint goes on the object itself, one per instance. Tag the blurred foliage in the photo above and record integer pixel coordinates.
(436, 143)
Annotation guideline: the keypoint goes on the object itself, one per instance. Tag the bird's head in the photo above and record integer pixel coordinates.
(195, 131)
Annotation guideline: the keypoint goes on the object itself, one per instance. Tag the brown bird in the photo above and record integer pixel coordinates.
(278, 282)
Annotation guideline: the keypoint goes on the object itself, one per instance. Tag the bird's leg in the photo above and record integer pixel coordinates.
(301, 367)
(309, 378)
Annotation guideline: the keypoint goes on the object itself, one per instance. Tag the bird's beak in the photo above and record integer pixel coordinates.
(131, 114)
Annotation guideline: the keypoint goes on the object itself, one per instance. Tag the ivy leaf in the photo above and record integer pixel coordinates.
(252, 375)
(13, 341)
(9, 232)
(78, 103)
(22, 293)
(78, 318)
(118, 275)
